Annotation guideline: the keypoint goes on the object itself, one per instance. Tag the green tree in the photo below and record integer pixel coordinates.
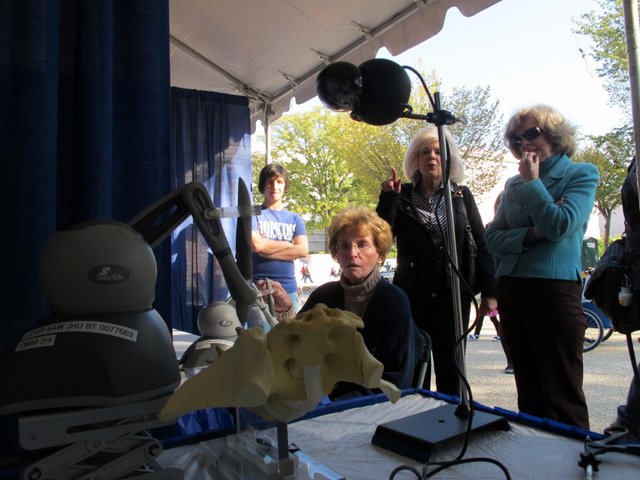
(334, 161)
(480, 139)
(321, 182)
(372, 151)
(607, 32)
(610, 153)
(257, 163)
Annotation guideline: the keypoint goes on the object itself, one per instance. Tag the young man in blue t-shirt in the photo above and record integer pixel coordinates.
(278, 236)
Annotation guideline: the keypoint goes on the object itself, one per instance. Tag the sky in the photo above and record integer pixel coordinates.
(526, 51)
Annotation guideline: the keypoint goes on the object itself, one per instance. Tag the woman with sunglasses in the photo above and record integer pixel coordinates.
(417, 214)
(538, 231)
(359, 240)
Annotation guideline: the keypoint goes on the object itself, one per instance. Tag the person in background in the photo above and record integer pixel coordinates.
(494, 316)
(538, 231)
(495, 319)
(306, 273)
(417, 215)
(278, 236)
(359, 240)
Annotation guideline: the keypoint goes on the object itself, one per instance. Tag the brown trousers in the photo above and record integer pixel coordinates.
(543, 325)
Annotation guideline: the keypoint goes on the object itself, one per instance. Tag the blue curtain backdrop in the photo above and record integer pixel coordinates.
(85, 122)
(84, 131)
(217, 161)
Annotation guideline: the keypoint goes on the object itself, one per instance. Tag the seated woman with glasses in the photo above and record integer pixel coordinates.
(537, 231)
(359, 241)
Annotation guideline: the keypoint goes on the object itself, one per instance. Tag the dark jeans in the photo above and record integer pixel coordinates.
(543, 326)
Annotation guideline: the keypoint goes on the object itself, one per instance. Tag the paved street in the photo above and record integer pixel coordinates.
(606, 378)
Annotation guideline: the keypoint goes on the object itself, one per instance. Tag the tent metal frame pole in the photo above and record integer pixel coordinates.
(267, 136)
(630, 9)
(453, 254)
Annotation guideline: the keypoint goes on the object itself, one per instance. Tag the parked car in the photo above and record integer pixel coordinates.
(387, 271)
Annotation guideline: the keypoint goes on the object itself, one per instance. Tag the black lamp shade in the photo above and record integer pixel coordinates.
(339, 86)
(385, 92)
(377, 92)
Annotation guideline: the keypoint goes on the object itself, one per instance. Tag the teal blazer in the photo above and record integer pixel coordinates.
(523, 206)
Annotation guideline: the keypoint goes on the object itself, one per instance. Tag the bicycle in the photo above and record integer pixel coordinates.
(599, 327)
(304, 292)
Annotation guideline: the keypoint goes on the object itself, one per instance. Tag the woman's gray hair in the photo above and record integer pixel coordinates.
(557, 129)
(423, 139)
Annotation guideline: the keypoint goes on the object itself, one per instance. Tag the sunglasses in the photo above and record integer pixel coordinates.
(531, 134)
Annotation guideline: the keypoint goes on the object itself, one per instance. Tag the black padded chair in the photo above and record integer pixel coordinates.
(423, 360)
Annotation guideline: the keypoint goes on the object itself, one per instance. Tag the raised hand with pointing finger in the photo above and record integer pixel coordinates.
(392, 184)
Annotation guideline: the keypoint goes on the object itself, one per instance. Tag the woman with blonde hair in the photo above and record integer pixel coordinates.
(538, 231)
(359, 240)
(417, 215)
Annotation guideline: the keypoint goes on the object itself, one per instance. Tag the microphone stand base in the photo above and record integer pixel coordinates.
(415, 436)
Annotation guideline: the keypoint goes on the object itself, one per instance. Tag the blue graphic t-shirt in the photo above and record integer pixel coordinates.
(277, 225)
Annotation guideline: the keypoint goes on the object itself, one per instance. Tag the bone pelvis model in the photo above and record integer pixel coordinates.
(283, 374)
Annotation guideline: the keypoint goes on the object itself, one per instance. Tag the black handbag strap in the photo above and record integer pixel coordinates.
(465, 209)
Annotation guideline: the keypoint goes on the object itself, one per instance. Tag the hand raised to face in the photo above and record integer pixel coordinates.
(529, 166)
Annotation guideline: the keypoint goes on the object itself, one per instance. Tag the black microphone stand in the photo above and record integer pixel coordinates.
(440, 118)
(416, 435)
(463, 407)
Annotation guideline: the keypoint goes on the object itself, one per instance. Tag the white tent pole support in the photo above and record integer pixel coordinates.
(630, 9)
(267, 137)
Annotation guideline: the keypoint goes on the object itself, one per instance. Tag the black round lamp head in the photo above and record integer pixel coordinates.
(339, 86)
(386, 88)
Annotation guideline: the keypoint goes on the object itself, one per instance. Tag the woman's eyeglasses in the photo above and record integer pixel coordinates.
(529, 135)
(345, 247)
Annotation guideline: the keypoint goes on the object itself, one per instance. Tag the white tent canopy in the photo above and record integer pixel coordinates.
(272, 50)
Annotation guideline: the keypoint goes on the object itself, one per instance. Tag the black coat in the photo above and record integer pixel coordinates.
(389, 332)
(632, 220)
(422, 267)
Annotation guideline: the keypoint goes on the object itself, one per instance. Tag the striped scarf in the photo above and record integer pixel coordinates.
(433, 212)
